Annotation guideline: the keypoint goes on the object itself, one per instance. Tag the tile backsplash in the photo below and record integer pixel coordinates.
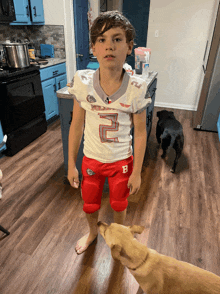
(48, 34)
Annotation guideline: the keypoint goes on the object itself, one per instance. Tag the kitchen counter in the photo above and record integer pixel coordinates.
(63, 93)
(53, 61)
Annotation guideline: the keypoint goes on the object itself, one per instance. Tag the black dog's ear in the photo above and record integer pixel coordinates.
(158, 114)
(171, 114)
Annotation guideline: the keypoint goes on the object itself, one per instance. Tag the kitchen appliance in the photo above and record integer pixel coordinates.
(21, 107)
(16, 54)
(7, 11)
(46, 50)
(206, 116)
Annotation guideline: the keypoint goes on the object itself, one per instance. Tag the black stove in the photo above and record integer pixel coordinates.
(22, 109)
(7, 72)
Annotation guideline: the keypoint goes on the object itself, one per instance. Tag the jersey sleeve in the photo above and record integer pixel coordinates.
(77, 87)
(142, 99)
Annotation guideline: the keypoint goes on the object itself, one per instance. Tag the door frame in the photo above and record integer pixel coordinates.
(208, 73)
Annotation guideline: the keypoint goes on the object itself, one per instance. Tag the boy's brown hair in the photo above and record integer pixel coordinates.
(108, 20)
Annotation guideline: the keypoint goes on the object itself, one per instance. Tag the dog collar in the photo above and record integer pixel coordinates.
(134, 269)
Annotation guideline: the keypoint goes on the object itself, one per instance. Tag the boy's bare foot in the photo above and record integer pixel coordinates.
(84, 243)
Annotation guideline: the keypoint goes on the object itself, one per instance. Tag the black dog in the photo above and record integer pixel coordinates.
(170, 131)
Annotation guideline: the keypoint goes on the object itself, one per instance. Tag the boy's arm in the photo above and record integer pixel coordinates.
(74, 140)
(140, 139)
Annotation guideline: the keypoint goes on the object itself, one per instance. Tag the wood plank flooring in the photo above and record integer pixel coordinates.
(181, 214)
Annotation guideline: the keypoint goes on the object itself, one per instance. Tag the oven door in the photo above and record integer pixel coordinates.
(22, 101)
(7, 11)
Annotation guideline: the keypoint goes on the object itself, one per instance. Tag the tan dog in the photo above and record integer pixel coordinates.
(156, 273)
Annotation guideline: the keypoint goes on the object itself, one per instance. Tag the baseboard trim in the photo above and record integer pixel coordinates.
(175, 106)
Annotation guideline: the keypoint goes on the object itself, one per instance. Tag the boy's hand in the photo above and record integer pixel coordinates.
(73, 177)
(134, 183)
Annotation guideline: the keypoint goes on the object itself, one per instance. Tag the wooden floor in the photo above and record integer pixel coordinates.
(181, 214)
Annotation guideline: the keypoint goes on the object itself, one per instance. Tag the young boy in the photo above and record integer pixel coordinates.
(108, 102)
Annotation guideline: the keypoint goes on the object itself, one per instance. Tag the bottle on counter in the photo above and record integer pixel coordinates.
(139, 59)
(31, 51)
(145, 70)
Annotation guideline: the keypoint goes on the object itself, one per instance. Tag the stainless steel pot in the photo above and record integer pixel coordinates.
(16, 54)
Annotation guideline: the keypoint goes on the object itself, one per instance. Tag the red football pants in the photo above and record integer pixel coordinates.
(94, 175)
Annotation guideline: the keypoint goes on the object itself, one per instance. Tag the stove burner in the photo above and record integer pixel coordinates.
(7, 72)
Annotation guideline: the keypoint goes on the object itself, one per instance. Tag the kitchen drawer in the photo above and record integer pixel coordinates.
(52, 71)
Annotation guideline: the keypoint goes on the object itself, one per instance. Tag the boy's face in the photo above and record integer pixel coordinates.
(111, 48)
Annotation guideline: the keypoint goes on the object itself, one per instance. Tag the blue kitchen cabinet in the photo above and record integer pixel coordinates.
(50, 98)
(28, 12)
(53, 78)
(37, 11)
(1, 138)
(61, 82)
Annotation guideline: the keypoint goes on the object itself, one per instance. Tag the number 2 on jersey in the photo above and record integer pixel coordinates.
(103, 129)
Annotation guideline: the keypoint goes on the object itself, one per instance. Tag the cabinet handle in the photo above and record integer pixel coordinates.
(59, 85)
(35, 11)
(54, 88)
(55, 72)
(28, 12)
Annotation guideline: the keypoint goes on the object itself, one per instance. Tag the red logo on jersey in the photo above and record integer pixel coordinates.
(136, 84)
(99, 108)
(125, 105)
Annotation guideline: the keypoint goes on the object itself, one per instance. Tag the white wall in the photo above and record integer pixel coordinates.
(177, 54)
(69, 39)
(58, 12)
(53, 12)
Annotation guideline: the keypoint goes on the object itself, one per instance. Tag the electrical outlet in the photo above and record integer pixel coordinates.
(156, 33)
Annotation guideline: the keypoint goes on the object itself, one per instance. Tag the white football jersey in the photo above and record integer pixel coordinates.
(108, 119)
